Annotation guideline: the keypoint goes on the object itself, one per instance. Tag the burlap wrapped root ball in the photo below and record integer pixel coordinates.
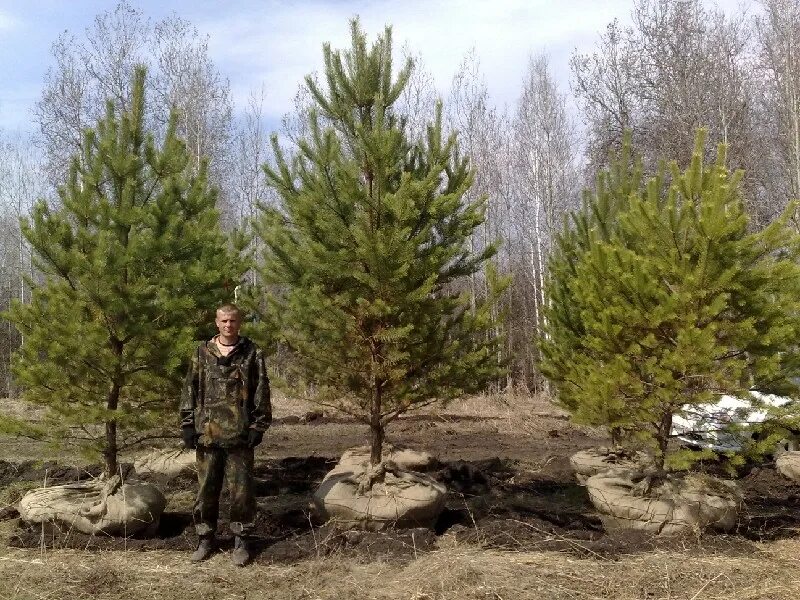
(166, 464)
(399, 498)
(676, 505)
(405, 458)
(594, 461)
(103, 506)
(788, 465)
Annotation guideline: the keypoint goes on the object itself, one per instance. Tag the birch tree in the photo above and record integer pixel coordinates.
(98, 65)
(545, 188)
(604, 84)
(779, 60)
(483, 135)
(21, 181)
(417, 101)
(679, 66)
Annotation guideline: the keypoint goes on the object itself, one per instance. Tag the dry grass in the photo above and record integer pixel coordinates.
(14, 407)
(500, 406)
(284, 406)
(526, 414)
(455, 573)
(19, 449)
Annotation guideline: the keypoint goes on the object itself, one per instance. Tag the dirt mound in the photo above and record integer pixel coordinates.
(771, 507)
(475, 478)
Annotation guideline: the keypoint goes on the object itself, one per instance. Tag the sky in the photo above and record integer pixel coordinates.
(273, 44)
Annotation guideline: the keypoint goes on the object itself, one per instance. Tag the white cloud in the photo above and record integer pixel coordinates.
(275, 43)
(7, 22)
(279, 43)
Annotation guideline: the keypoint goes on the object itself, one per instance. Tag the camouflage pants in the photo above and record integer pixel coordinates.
(213, 466)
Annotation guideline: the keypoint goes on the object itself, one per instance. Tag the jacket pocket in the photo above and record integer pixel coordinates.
(222, 413)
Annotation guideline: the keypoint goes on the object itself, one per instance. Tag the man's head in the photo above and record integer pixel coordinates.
(229, 320)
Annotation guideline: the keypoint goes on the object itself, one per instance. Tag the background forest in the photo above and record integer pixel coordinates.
(678, 66)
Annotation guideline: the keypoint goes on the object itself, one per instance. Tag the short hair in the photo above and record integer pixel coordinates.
(229, 308)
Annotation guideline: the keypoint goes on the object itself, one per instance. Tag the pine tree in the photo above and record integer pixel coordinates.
(133, 264)
(368, 247)
(661, 300)
(597, 220)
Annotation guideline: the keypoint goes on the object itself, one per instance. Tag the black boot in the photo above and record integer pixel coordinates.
(205, 548)
(241, 552)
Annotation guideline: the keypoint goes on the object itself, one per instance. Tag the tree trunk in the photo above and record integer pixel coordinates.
(112, 403)
(110, 450)
(662, 437)
(376, 442)
(376, 430)
(616, 437)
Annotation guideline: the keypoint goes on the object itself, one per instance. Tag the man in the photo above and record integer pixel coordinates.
(225, 409)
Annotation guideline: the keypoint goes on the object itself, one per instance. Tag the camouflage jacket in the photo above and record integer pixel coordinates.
(225, 396)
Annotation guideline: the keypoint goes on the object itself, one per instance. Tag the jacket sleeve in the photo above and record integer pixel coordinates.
(261, 415)
(189, 392)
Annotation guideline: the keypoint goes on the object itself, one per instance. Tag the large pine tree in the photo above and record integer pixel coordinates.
(368, 245)
(133, 263)
(661, 300)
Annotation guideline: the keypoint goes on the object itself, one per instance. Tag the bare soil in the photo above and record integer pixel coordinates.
(509, 481)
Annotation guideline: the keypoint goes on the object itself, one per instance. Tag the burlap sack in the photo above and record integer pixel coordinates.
(402, 498)
(100, 506)
(678, 505)
(167, 463)
(594, 461)
(405, 458)
(788, 465)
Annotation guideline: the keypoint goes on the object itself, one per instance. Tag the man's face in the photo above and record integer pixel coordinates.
(228, 323)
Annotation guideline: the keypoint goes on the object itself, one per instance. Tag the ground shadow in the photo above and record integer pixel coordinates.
(493, 503)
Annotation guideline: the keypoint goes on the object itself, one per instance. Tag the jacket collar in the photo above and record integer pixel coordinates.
(211, 346)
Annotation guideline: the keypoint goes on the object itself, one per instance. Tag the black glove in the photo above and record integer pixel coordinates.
(189, 438)
(254, 438)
